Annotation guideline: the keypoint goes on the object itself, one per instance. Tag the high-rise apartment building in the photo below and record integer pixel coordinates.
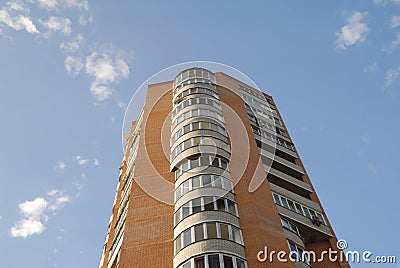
(211, 179)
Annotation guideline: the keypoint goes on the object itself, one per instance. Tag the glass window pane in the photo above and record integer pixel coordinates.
(221, 204)
(186, 129)
(186, 187)
(213, 261)
(199, 263)
(187, 265)
(208, 203)
(228, 262)
(218, 183)
(195, 126)
(236, 235)
(284, 202)
(196, 205)
(206, 180)
(306, 212)
(240, 263)
(185, 210)
(291, 205)
(211, 230)
(178, 244)
(299, 210)
(199, 232)
(187, 238)
(231, 207)
(196, 182)
(224, 231)
(277, 200)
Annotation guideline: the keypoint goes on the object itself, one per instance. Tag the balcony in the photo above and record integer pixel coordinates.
(281, 164)
(288, 182)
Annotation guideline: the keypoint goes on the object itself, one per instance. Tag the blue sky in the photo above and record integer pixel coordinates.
(68, 68)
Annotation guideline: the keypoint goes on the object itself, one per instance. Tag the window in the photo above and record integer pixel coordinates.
(196, 205)
(187, 238)
(306, 212)
(199, 232)
(221, 204)
(277, 200)
(185, 210)
(213, 261)
(231, 207)
(297, 253)
(299, 210)
(218, 183)
(187, 265)
(208, 203)
(206, 180)
(196, 182)
(211, 230)
(240, 263)
(199, 263)
(228, 263)
(284, 202)
(224, 231)
(237, 237)
(291, 205)
(178, 244)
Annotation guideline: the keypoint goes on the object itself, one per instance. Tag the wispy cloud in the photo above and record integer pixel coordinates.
(61, 165)
(73, 45)
(56, 24)
(353, 32)
(16, 16)
(394, 44)
(392, 75)
(34, 213)
(395, 21)
(58, 4)
(106, 67)
(96, 162)
(371, 68)
(58, 199)
(81, 161)
(73, 65)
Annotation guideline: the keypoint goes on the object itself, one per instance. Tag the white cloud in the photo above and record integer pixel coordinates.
(57, 4)
(353, 32)
(395, 43)
(85, 20)
(371, 68)
(106, 66)
(57, 24)
(392, 75)
(96, 162)
(16, 16)
(58, 201)
(33, 213)
(73, 45)
(27, 227)
(81, 161)
(61, 165)
(395, 21)
(73, 65)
